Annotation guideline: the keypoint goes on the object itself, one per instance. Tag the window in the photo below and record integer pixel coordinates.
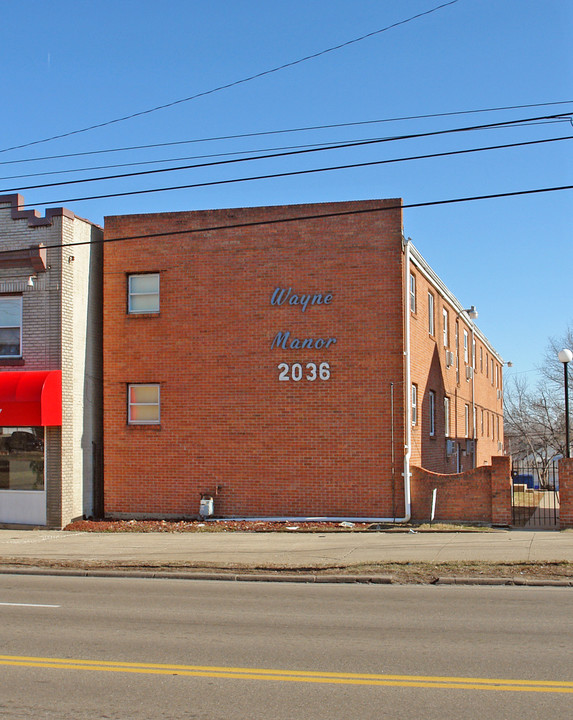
(486, 365)
(412, 292)
(10, 326)
(466, 360)
(497, 376)
(447, 416)
(481, 359)
(430, 313)
(492, 363)
(143, 293)
(432, 409)
(21, 458)
(474, 354)
(143, 404)
(414, 404)
(445, 320)
(467, 420)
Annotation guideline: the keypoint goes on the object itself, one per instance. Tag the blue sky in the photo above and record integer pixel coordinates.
(71, 64)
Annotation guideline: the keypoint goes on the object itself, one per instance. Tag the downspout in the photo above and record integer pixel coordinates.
(407, 388)
(474, 413)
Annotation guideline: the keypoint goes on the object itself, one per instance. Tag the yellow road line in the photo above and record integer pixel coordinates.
(310, 676)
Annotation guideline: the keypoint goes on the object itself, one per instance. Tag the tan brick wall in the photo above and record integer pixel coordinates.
(61, 329)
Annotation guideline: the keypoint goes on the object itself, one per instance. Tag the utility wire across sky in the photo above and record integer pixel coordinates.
(291, 153)
(277, 221)
(234, 83)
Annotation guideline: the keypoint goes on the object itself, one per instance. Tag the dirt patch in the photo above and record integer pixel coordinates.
(399, 573)
(193, 526)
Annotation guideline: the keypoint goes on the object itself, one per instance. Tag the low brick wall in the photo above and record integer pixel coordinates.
(479, 495)
(566, 493)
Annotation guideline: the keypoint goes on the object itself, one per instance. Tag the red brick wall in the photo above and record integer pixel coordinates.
(566, 493)
(479, 495)
(431, 373)
(228, 425)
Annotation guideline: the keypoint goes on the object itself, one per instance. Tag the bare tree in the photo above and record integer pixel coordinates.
(534, 418)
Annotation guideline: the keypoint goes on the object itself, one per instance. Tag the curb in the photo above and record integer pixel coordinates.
(308, 578)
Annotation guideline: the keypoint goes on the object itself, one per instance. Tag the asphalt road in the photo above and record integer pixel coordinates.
(76, 648)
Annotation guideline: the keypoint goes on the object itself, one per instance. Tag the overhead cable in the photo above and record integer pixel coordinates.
(289, 130)
(234, 83)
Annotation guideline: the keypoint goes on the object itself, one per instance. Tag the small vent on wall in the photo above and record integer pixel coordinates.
(469, 373)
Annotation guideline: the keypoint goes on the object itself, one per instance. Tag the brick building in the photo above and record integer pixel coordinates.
(50, 365)
(287, 361)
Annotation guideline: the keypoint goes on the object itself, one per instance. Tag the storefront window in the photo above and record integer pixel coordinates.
(21, 458)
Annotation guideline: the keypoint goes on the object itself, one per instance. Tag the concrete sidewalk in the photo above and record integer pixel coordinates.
(284, 550)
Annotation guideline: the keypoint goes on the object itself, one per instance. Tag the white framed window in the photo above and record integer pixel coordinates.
(414, 404)
(467, 420)
(11, 326)
(481, 359)
(447, 416)
(431, 328)
(446, 327)
(491, 377)
(143, 404)
(412, 292)
(466, 357)
(432, 411)
(497, 376)
(143, 293)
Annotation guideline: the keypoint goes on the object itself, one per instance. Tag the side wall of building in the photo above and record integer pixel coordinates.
(81, 342)
(446, 381)
(266, 423)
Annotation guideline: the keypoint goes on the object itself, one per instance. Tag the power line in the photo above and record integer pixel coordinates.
(270, 176)
(234, 153)
(318, 216)
(285, 131)
(236, 82)
(292, 153)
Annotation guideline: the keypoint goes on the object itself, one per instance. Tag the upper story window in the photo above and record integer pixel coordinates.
(446, 327)
(432, 411)
(143, 404)
(431, 313)
(447, 416)
(10, 326)
(466, 357)
(412, 292)
(143, 293)
(414, 404)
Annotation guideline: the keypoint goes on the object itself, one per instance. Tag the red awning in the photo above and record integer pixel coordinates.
(30, 399)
